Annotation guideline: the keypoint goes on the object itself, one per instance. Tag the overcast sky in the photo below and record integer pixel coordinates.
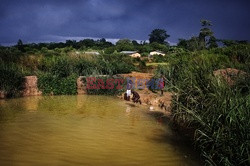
(58, 20)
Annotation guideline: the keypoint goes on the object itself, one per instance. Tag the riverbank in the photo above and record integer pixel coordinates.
(157, 102)
(29, 88)
(159, 106)
(152, 99)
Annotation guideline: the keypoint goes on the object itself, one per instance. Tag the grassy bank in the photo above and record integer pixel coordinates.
(217, 110)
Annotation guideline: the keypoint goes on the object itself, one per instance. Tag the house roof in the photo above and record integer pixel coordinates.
(158, 51)
(92, 52)
(128, 52)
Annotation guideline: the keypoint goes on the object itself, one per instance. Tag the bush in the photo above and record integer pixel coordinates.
(10, 54)
(144, 54)
(30, 62)
(11, 79)
(54, 85)
(83, 67)
(61, 67)
(159, 58)
(142, 64)
(57, 76)
(58, 66)
(239, 54)
(115, 64)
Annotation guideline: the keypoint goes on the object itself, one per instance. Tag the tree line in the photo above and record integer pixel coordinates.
(157, 41)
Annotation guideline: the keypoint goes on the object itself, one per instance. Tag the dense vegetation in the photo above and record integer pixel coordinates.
(57, 65)
(11, 79)
(57, 69)
(216, 109)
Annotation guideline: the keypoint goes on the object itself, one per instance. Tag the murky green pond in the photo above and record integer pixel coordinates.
(85, 130)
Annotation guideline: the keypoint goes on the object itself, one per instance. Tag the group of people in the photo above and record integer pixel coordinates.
(136, 96)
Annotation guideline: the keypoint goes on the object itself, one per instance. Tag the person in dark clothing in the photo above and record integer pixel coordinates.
(136, 97)
(162, 83)
(126, 97)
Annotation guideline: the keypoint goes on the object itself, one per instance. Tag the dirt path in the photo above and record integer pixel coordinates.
(155, 101)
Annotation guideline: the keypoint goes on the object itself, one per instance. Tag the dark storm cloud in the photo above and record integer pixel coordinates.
(54, 20)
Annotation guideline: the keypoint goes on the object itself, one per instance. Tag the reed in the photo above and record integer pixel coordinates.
(218, 112)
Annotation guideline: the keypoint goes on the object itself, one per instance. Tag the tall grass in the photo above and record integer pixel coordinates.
(219, 113)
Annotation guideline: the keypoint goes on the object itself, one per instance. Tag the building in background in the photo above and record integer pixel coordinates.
(133, 54)
(157, 53)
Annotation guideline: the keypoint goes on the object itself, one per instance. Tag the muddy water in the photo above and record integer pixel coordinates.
(85, 130)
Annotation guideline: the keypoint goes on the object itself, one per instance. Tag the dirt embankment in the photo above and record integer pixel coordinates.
(230, 75)
(29, 88)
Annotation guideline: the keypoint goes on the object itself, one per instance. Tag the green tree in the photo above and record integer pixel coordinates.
(70, 43)
(109, 50)
(193, 43)
(229, 43)
(123, 41)
(103, 43)
(88, 43)
(205, 33)
(182, 43)
(159, 36)
(135, 43)
(160, 47)
(20, 45)
(145, 48)
(204, 40)
(124, 45)
(212, 43)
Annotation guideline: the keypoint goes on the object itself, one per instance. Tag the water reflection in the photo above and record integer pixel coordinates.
(128, 110)
(31, 103)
